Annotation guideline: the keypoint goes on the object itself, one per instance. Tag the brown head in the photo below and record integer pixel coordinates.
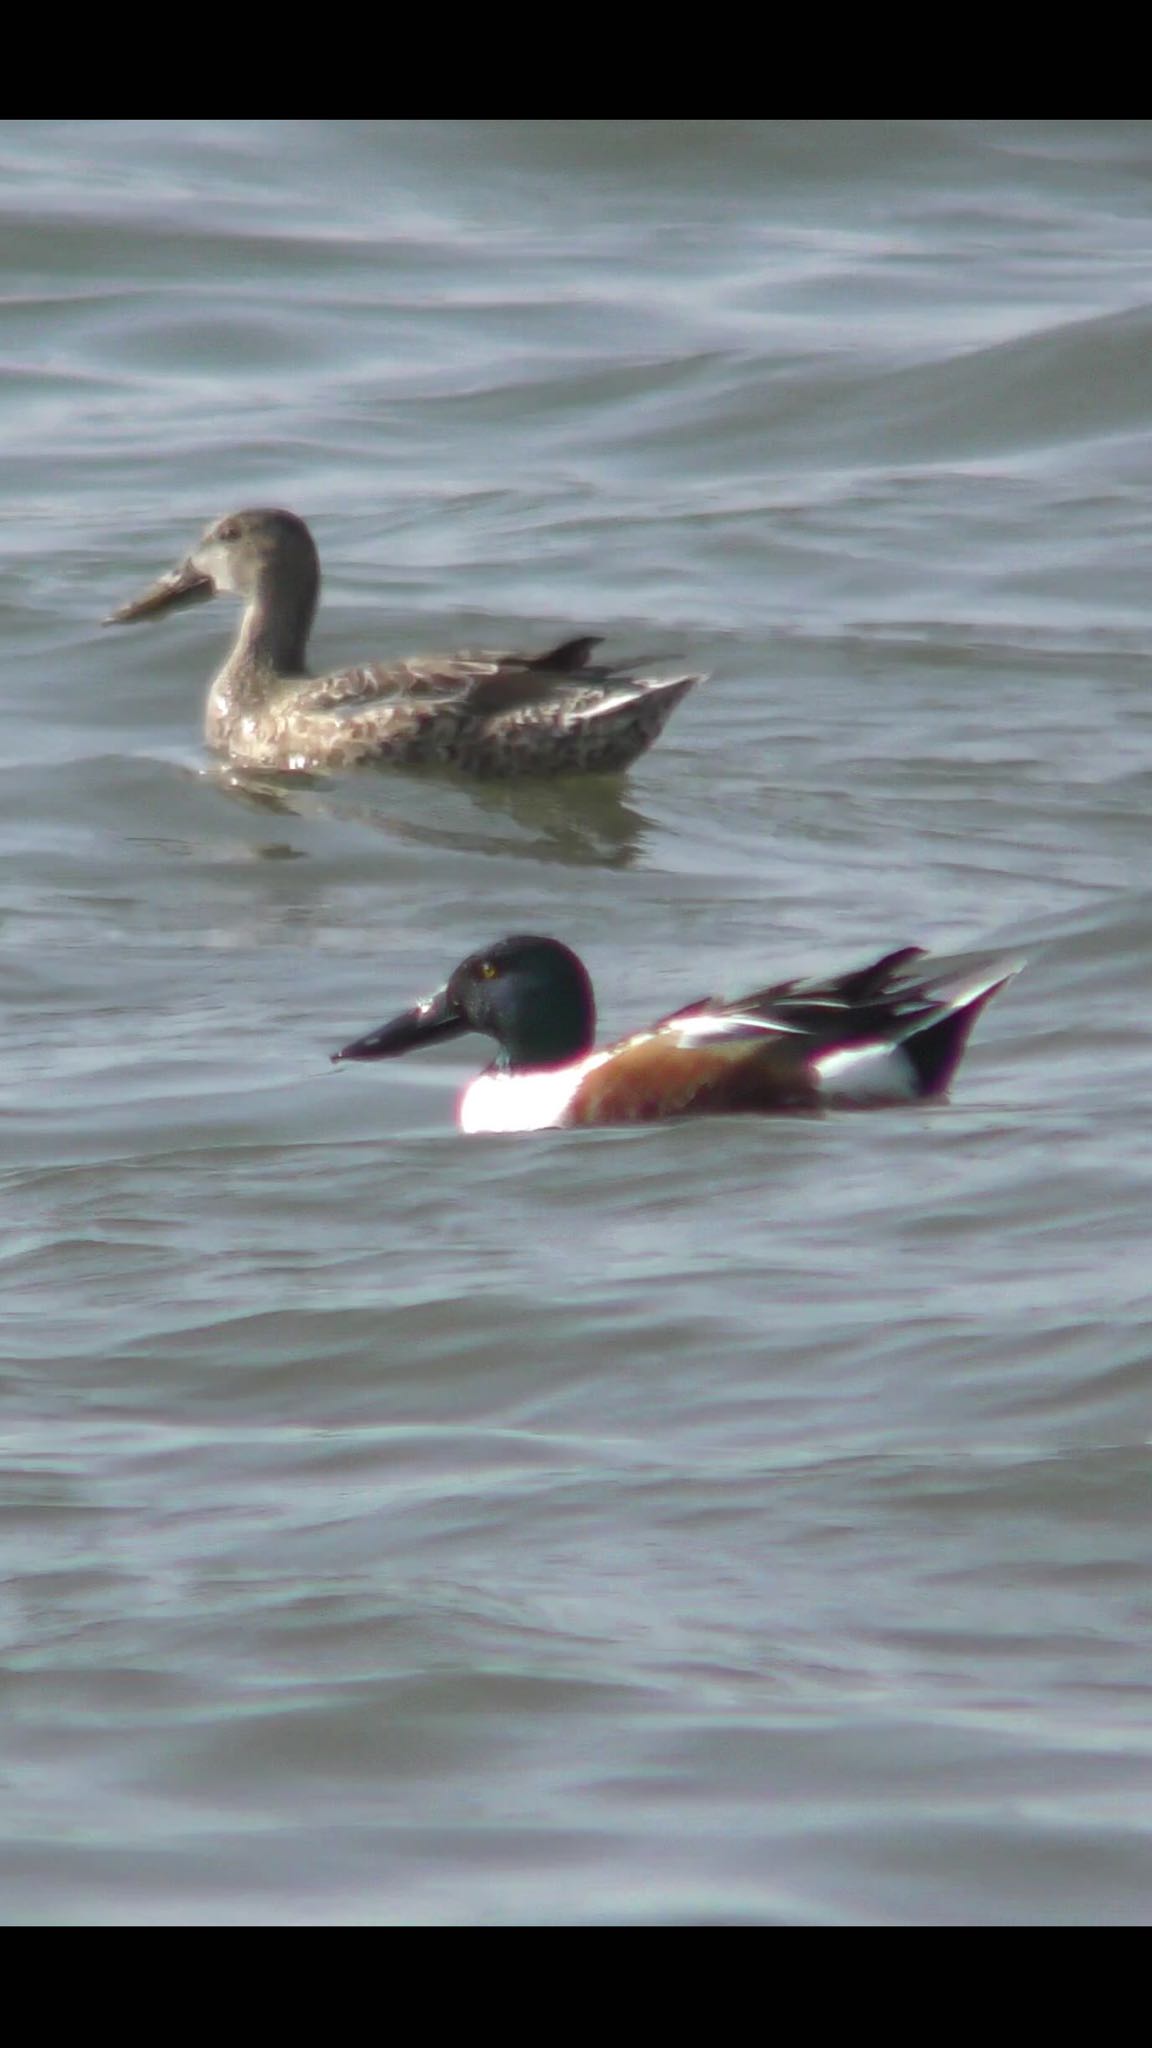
(263, 555)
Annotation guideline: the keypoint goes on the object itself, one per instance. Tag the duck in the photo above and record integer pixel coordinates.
(889, 1033)
(484, 713)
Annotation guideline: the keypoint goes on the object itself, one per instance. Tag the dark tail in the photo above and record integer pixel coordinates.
(935, 1051)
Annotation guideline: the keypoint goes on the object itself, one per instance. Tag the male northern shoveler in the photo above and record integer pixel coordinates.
(889, 1033)
(491, 714)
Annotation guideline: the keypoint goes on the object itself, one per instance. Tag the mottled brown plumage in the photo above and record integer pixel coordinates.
(486, 713)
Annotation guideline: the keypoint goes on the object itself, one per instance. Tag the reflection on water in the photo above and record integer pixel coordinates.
(579, 821)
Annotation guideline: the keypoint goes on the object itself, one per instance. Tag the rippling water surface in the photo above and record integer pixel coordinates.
(718, 1522)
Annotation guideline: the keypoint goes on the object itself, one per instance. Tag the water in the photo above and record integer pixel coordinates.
(727, 1522)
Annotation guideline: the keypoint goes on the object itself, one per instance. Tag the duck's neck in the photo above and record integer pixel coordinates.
(271, 648)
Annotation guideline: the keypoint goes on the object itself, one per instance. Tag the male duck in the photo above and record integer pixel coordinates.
(889, 1033)
(492, 714)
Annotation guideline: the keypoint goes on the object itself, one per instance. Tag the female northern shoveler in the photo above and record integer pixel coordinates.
(889, 1033)
(492, 714)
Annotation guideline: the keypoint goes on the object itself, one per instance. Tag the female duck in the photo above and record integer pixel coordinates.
(491, 714)
(889, 1033)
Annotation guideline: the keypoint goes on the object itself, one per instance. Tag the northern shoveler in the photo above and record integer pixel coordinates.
(488, 713)
(888, 1033)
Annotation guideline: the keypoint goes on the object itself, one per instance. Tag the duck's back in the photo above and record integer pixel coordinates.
(485, 712)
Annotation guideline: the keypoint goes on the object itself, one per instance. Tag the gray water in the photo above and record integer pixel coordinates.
(729, 1521)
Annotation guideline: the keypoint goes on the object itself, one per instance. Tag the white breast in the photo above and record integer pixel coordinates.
(497, 1101)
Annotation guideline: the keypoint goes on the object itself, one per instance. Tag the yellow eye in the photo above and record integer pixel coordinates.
(488, 971)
